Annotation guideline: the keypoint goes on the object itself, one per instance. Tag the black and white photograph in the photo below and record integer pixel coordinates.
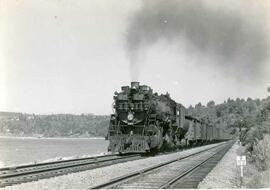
(141, 94)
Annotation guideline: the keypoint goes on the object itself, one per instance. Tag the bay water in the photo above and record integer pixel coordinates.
(25, 150)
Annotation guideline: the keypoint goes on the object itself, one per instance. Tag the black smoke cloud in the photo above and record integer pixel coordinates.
(236, 42)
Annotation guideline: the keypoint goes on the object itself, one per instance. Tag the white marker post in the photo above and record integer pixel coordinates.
(241, 161)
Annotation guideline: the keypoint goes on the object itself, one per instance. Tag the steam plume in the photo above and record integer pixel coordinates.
(237, 41)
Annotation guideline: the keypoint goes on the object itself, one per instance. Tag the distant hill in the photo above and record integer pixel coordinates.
(54, 125)
(250, 116)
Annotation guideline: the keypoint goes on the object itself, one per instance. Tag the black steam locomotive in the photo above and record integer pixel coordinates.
(144, 121)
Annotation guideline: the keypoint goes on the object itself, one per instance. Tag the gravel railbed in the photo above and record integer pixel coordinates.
(225, 174)
(86, 179)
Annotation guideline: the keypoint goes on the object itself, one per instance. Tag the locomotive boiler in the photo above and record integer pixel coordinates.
(144, 121)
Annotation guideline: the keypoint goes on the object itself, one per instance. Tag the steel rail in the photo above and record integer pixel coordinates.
(8, 171)
(171, 183)
(53, 162)
(134, 175)
(41, 173)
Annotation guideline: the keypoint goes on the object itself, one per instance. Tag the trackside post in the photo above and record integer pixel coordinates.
(241, 161)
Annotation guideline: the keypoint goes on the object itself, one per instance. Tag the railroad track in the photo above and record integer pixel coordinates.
(32, 172)
(183, 172)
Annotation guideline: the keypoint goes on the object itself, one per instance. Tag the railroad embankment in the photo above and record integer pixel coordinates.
(226, 174)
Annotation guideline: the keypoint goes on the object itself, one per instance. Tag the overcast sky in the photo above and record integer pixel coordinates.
(71, 56)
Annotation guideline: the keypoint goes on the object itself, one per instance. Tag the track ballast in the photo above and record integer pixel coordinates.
(183, 172)
(33, 172)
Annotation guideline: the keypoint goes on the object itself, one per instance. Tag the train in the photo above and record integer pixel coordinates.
(143, 122)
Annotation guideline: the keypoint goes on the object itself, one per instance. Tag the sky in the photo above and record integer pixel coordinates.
(71, 56)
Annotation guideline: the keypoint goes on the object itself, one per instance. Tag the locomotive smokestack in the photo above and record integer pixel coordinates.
(135, 85)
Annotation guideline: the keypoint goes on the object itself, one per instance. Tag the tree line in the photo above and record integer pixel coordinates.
(54, 125)
(248, 120)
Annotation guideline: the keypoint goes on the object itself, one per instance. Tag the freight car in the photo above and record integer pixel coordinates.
(144, 121)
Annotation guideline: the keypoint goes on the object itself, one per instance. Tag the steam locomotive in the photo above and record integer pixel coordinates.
(144, 121)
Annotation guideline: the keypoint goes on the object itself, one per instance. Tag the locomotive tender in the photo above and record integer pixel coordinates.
(144, 121)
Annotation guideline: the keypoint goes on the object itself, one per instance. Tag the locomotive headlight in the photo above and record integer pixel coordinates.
(130, 116)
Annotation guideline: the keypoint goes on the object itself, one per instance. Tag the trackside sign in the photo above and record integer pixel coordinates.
(241, 160)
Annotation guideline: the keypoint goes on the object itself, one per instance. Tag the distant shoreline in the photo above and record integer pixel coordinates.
(36, 137)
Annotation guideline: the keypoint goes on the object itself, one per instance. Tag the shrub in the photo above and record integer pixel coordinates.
(261, 153)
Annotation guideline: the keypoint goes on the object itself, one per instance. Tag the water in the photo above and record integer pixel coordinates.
(14, 151)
